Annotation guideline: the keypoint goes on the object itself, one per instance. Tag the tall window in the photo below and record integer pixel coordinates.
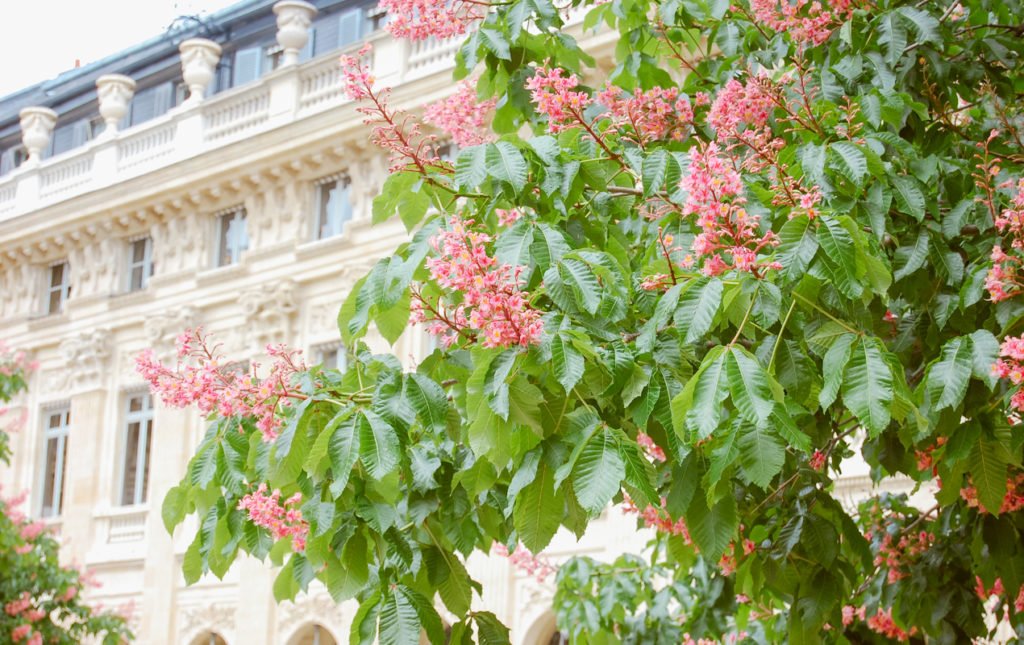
(59, 289)
(334, 206)
(55, 455)
(138, 435)
(233, 236)
(140, 263)
(334, 357)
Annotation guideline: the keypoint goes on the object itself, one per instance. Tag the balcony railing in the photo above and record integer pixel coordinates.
(279, 98)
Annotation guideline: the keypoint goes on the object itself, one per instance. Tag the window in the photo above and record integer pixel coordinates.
(334, 206)
(338, 30)
(138, 434)
(272, 57)
(209, 638)
(246, 66)
(334, 357)
(12, 158)
(313, 635)
(55, 455)
(60, 288)
(140, 263)
(378, 18)
(234, 237)
(150, 103)
(70, 136)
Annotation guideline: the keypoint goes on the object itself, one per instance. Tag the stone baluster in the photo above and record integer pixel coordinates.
(293, 20)
(36, 129)
(199, 59)
(115, 93)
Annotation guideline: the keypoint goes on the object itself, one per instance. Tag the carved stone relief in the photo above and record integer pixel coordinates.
(178, 244)
(274, 214)
(86, 356)
(162, 330)
(269, 311)
(94, 268)
(18, 283)
(368, 175)
(215, 617)
(320, 608)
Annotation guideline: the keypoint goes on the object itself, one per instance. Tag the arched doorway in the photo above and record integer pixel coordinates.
(314, 634)
(209, 638)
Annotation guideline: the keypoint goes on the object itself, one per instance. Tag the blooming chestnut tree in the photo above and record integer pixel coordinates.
(40, 599)
(688, 281)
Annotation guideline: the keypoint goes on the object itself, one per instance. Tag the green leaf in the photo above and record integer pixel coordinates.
(204, 465)
(850, 161)
(399, 622)
(505, 162)
(378, 445)
(655, 168)
(984, 352)
(987, 464)
(192, 562)
(749, 386)
(429, 400)
(797, 247)
(833, 367)
(911, 258)
(567, 361)
(837, 243)
(429, 618)
(343, 451)
(761, 454)
(712, 529)
(599, 471)
(471, 167)
(699, 404)
(447, 573)
(909, 196)
(580, 277)
(174, 508)
(638, 470)
(346, 577)
(402, 193)
(490, 630)
(697, 308)
(868, 388)
(538, 510)
(948, 376)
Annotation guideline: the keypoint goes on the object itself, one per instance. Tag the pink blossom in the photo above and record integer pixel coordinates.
(806, 22)
(818, 461)
(282, 520)
(658, 518)
(212, 387)
(462, 116)
(508, 217)
(555, 96)
(423, 19)
(740, 106)
(882, 623)
(653, 450)
(32, 531)
(490, 300)
(68, 594)
(1003, 280)
(652, 115)
(20, 632)
(535, 566)
(15, 607)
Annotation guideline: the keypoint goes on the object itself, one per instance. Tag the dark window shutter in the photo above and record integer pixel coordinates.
(350, 27)
(247, 65)
(63, 139)
(144, 106)
(325, 35)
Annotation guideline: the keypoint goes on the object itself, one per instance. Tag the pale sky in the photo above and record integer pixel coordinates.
(42, 38)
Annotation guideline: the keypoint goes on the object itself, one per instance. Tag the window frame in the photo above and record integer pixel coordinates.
(61, 433)
(143, 449)
(225, 247)
(341, 180)
(63, 289)
(145, 264)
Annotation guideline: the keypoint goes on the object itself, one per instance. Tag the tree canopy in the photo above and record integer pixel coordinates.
(691, 282)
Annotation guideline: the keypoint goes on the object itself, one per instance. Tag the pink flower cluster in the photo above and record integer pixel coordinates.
(883, 623)
(423, 19)
(655, 115)
(392, 130)
(1004, 278)
(805, 21)
(1013, 500)
(897, 555)
(1011, 366)
(508, 217)
(535, 566)
(282, 520)
(555, 96)
(658, 518)
(462, 116)
(818, 461)
(653, 450)
(15, 362)
(739, 107)
(491, 301)
(213, 387)
(729, 237)
(25, 633)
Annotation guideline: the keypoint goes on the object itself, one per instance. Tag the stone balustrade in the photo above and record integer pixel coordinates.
(200, 125)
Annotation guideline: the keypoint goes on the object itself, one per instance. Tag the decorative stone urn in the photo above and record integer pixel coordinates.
(115, 93)
(36, 128)
(293, 20)
(199, 58)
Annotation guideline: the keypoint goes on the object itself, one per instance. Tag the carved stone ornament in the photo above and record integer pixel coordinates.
(293, 20)
(95, 273)
(162, 331)
(273, 215)
(36, 129)
(269, 314)
(16, 290)
(316, 609)
(178, 244)
(198, 65)
(115, 94)
(86, 356)
(214, 617)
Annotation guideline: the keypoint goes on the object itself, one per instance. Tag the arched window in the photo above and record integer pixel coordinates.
(544, 631)
(313, 635)
(209, 638)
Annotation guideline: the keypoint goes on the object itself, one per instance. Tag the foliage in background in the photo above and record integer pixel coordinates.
(40, 599)
(765, 236)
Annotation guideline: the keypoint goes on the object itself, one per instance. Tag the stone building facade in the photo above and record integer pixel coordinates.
(215, 176)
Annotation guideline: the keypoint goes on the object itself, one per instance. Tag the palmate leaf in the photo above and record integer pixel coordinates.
(840, 252)
(506, 163)
(699, 405)
(399, 622)
(712, 528)
(378, 445)
(761, 454)
(797, 246)
(833, 368)
(697, 308)
(749, 386)
(538, 510)
(984, 352)
(567, 361)
(598, 472)
(987, 464)
(868, 387)
(948, 376)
